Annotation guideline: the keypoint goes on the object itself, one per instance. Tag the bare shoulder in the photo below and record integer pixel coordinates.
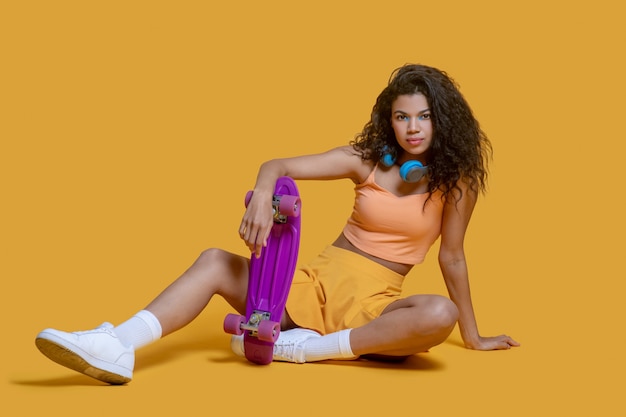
(360, 168)
(462, 197)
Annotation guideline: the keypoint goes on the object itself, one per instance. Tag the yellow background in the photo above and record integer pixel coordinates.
(130, 132)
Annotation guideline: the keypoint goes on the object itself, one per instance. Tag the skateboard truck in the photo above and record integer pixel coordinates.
(278, 209)
(253, 323)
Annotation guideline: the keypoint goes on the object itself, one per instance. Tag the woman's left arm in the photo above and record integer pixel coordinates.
(456, 217)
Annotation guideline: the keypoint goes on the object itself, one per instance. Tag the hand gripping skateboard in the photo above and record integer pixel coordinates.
(270, 277)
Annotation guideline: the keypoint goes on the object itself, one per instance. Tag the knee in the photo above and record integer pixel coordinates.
(211, 255)
(216, 258)
(208, 263)
(446, 312)
(443, 314)
(220, 266)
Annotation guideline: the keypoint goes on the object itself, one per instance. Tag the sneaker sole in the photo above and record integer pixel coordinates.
(71, 360)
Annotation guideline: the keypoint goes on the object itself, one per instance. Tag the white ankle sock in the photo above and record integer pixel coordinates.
(331, 346)
(138, 331)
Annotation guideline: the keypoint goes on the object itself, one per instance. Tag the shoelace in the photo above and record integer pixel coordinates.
(106, 328)
(286, 350)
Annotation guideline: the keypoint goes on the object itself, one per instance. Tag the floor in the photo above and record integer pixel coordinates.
(130, 135)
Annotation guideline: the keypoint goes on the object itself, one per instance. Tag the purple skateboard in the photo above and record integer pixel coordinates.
(270, 277)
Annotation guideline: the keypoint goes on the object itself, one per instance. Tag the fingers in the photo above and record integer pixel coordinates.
(501, 342)
(506, 342)
(253, 238)
(256, 223)
(254, 235)
(258, 247)
(512, 342)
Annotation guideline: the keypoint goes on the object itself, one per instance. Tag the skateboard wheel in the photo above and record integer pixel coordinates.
(248, 198)
(232, 324)
(269, 331)
(289, 205)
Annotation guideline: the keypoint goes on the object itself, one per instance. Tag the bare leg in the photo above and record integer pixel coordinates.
(108, 354)
(214, 272)
(408, 326)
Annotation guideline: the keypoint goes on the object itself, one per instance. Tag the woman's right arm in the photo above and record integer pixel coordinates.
(342, 162)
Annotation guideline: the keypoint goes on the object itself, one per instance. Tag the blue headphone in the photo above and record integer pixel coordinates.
(410, 171)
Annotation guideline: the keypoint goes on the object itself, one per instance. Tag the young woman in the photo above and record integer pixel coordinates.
(418, 167)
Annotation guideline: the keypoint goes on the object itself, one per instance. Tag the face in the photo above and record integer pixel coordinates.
(411, 123)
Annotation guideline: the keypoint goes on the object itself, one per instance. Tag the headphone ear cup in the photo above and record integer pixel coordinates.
(388, 159)
(412, 171)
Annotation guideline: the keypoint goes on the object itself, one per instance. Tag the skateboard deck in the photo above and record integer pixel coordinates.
(270, 277)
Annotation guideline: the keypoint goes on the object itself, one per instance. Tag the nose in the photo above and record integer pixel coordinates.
(414, 126)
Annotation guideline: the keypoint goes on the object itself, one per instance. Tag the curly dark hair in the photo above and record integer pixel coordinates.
(460, 150)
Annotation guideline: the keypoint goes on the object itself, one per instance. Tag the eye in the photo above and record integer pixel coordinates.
(402, 117)
(425, 116)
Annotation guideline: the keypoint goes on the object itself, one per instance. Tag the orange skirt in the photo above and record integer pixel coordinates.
(340, 290)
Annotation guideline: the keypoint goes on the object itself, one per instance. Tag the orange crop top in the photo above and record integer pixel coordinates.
(397, 229)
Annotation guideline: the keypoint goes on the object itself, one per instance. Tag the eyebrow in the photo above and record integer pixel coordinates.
(419, 113)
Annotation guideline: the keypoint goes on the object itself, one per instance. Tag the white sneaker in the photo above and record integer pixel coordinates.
(288, 348)
(97, 353)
